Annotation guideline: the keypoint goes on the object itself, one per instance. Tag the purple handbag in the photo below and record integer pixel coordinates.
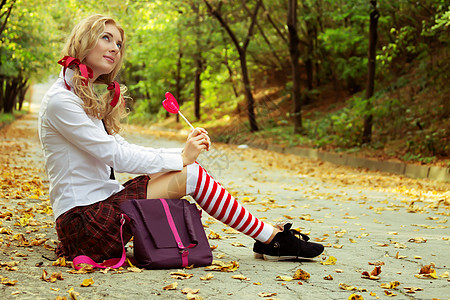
(168, 233)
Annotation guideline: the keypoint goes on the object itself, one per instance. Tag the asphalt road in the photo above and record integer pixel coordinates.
(365, 219)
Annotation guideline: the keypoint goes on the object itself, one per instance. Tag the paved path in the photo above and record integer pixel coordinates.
(364, 218)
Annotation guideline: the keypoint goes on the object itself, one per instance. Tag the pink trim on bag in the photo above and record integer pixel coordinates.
(110, 263)
(183, 250)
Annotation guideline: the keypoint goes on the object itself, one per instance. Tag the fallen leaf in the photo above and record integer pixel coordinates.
(372, 275)
(378, 263)
(134, 269)
(61, 262)
(172, 286)
(73, 294)
(180, 275)
(328, 277)
(391, 285)
(417, 240)
(376, 271)
(237, 244)
(301, 275)
(190, 291)
(389, 293)
(218, 265)
(344, 286)
(330, 261)
(214, 236)
(87, 282)
(284, 278)
(230, 231)
(262, 294)
(240, 277)
(7, 281)
(397, 256)
(208, 276)
(355, 297)
(412, 290)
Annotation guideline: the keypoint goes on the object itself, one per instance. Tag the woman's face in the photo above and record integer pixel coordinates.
(106, 54)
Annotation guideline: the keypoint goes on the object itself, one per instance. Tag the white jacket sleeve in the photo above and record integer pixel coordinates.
(124, 143)
(68, 117)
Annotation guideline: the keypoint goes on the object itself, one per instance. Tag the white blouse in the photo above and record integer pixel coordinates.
(79, 152)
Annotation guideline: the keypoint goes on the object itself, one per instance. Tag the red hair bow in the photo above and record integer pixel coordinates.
(85, 71)
(114, 85)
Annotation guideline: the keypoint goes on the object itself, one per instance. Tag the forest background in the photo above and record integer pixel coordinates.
(358, 76)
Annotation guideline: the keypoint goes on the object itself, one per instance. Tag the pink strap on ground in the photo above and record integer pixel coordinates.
(110, 263)
(184, 252)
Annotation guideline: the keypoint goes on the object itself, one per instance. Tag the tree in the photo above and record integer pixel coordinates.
(242, 50)
(295, 54)
(373, 36)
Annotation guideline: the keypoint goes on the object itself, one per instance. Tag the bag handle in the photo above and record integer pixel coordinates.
(110, 263)
(183, 249)
(189, 225)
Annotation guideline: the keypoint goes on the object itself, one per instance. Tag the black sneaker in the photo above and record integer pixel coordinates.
(289, 242)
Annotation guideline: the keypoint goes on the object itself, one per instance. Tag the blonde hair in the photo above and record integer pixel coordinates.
(81, 41)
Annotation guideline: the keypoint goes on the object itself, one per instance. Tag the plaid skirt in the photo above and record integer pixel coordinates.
(94, 230)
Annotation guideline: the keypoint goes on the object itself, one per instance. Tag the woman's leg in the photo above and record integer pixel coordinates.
(212, 197)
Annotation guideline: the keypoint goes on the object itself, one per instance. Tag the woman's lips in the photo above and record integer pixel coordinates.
(109, 58)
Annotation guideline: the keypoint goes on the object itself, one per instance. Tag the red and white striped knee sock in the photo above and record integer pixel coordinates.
(217, 202)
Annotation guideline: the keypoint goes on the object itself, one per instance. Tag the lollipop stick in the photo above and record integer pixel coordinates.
(186, 120)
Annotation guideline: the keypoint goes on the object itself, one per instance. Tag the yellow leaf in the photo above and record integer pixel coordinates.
(389, 293)
(355, 297)
(172, 286)
(300, 274)
(284, 278)
(208, 276)
(263, 294)
(344, 286)
(190, 291)
(180, 275)
(240, 277)
(330, 261)
(390, 285)
(214, 236)
(87, 282)
(73, 294)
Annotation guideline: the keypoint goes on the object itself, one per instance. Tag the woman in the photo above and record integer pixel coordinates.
(79, 133)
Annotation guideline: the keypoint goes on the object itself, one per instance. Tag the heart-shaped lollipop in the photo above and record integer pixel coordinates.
(171, 105)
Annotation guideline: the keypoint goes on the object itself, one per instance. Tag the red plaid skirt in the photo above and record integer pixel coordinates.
(94, 230)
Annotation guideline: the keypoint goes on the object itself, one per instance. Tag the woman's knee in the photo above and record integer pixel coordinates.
(168, 185)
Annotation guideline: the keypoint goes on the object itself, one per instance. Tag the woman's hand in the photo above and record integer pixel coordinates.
(197, 140)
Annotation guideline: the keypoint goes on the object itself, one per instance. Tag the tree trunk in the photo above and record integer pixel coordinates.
(178, 76)
(198, 61)
(373, 36)
(11, 90)
(248, 93)
(242, 57)
(197, 83)
(295, 54)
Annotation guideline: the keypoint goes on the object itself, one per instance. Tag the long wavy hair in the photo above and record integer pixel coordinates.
(81, 41)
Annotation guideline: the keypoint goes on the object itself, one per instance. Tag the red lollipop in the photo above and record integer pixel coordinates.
(171, 105)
